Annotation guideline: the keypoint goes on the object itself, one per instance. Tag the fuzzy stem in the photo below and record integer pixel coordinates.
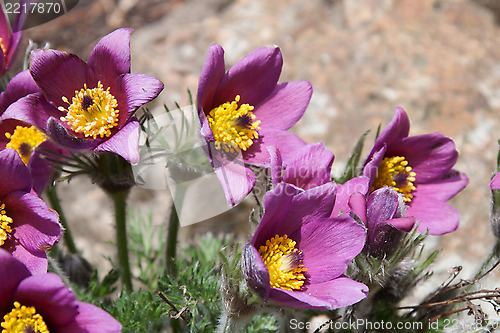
(229, 323)
(488, 262)
(56, 205)
(173, 231)
(120, 203)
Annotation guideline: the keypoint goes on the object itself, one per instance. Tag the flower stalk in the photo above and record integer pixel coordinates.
(120, 203)
(173, 231)
(56, 205)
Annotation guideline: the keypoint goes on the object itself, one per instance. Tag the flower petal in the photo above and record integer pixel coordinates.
(36, 262)
(286, 142)
(15, 174)
(51, 298)
(125, 142)
(276, 165)
(372, 164)
(110, 57)
(357, 207)
(60, 74)
(255, 271)
(90, 318)
(253, 78)
(310, 167)
(328, 245)
(60, 135)
(430, 155)
(140, 89)
(212, 72)
(33, 109)
(19, 86)
(11, 274)
(398, 128)
(40, 168)
(345, 191)
(330, 295)
(285, 106)
(276, 205)
(35, 225)
(236, 179)
(443, 189)
(316, 202)
(436, 216)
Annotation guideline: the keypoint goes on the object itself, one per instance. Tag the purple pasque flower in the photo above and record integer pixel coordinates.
(382, 212)
(298, 254)
(23, 137)
(10, 37)
(89, 105)
(27, 226)
(42, 303)
(245, 110)
(421, 169)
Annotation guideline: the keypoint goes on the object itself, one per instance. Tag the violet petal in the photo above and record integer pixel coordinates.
(253, 78)
(255, 271)
(285, 106)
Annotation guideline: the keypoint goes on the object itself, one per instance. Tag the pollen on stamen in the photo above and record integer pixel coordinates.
(92, 112)
(395, 172)
(24, 140)
(233, 126)
(5, 224)
(284, 263)
(23, 319)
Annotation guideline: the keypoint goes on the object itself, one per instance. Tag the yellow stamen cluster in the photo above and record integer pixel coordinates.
(92, 111)
(4, 51)
(283, 262)
(23, 319)
(24, 140)
(395, 172)
(233, 126)
(5, 220)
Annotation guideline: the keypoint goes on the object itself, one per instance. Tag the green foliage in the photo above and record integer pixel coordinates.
(147, 243)
(141, 312)
(196, 286)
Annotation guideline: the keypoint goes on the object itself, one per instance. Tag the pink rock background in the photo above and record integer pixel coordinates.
(438, 59)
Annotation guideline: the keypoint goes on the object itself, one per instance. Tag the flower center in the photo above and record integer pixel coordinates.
(395, 172)
(233, 126)
(92, 111)
(284, 263)
(23, 319)
(5, 220)
(24, 140)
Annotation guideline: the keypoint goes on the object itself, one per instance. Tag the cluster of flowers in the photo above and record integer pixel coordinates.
(312, 226)
(65, 105)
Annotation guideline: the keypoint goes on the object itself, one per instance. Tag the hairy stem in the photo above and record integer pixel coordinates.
(173, 230)
(120, 203)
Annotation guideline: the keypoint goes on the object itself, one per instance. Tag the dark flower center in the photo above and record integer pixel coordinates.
(87, 102)
(244, 121)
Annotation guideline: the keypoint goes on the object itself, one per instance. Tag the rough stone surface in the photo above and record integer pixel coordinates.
(438, 59)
